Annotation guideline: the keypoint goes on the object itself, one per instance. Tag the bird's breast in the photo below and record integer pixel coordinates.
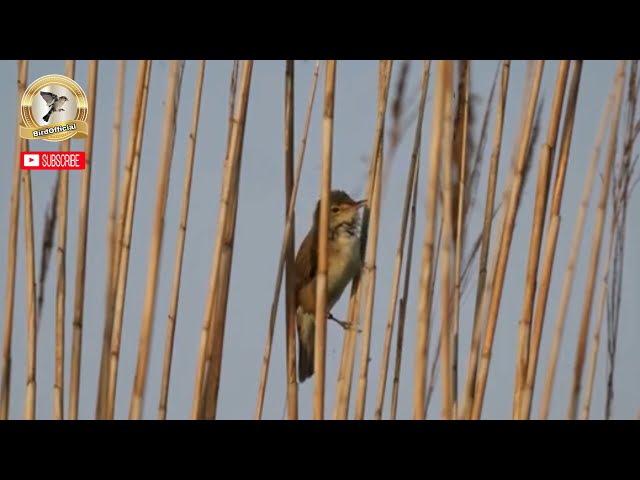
(344, 264)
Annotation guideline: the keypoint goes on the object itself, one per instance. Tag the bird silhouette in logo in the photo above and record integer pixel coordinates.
(54, 103)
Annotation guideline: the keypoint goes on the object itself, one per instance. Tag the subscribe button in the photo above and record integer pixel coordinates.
(52, 160)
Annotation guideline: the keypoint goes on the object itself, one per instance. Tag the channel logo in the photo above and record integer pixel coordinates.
(52, 160)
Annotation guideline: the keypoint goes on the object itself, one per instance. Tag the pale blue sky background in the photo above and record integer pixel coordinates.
(259, 233)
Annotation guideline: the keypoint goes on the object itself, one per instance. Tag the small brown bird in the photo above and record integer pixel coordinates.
(344, 261)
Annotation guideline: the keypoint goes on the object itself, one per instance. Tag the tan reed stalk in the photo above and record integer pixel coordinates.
(218, 295)
(595, 254)
(111, 237)
(445, 71)
(586, 406)
(539, 213)
(288, 236)
(369, 269)
(469, 388)
(402, 308)
(347, 361)
(290, 299)
(505, 241)
(172, 99)
(63, 193)
(319, 359)
(459, 237)
(182, 232)
(12, 249)
(205, 352)
(411, 182)
(81, 259)
(30, 399)
(425, 299)
(567, 283)
(125, 240)
(233, 89)
(523, 408)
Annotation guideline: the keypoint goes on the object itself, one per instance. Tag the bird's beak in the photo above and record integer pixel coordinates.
(359, 203)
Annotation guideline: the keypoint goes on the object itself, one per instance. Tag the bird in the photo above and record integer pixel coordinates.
(344, 262)
(54, 102)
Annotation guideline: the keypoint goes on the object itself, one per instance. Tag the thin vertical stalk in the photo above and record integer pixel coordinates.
(218, 296)
(63, 194)
(111, 238)
(182, 232)
(424, 302)
(125, 241)
(205, 352)
(290, 299)
(505, 242)
(550, 247)
(411, 181)
(469, 388)
(369, 271)
(445, 71)
(12, 249)
(172, 99)
(595, 252)
(459, 238)
(539, 214)
(30, 399)
(288, 236)
(349, 346)
(81, 259)
(319, 359)
(596, 334)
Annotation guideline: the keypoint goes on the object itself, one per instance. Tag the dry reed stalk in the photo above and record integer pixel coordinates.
(172, 99)
(484, 249)
(369, 268)
(539, 213)
(224, 250)
(426, 294)
(523, 408)
(621, 193)
(445, 71)
(125, 240)
(30, 399)
(465, 75)
(12, 248)
(62, 199)
(591, 375)
(319, 359)
(81, 259)
(233, 88)
(595, 253)
(111, 236)
(290, 299)
(567, 283)
(205, 352)
(410, 188)
(182, 232)
(347, 361)
(505, 240)
(288, 236)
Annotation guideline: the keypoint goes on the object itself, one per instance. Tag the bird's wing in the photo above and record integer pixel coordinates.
(49, 97)
(306, 260)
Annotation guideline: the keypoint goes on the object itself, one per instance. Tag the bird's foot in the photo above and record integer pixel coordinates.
(344, 325)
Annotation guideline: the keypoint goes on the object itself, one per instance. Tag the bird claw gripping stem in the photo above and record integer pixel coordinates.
(344, 325)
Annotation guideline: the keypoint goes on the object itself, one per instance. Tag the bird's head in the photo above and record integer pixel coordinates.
(64, 99)
(343, 210)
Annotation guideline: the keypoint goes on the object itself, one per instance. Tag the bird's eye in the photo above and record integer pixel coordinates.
(335, 209)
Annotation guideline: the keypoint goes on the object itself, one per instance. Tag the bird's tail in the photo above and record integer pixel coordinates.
(306, 344)
(46, 117)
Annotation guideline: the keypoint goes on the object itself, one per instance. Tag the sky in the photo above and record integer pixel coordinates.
(259, 230)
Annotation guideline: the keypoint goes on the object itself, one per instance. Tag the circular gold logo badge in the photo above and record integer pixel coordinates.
(54, 108)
